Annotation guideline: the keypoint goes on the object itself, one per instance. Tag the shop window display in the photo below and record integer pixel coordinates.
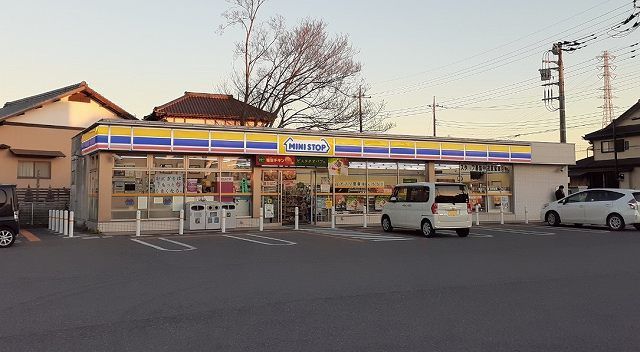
(351, 189)
(236, 163)
(166, 190)
(168, 161)
(130, 161)
(235, 187)
(270, 195)
(203, 162)
(382, 177)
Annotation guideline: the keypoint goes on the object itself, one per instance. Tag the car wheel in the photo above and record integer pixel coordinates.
(637, 226)
(427, 229)
(7, 237)
(462, 232)
(615, 222)
(553, 218)
(386, 224)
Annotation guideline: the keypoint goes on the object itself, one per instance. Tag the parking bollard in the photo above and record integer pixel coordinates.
(71, 223)
(49, 221)
(477, 214)
(138, 223)
(181, 226)
(296, 220)
(526, 215)
(223, 224)
(60, 221)
(261, 221)
(65, 223)
(54, 226)
(333, 217)
(501, 215)
(364, 217)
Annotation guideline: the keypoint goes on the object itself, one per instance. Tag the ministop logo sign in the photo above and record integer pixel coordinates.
(320, 146)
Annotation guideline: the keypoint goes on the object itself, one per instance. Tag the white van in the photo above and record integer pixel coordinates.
(428, 207)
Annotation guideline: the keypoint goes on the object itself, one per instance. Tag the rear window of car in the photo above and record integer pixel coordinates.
(451, 194)
(636, 195)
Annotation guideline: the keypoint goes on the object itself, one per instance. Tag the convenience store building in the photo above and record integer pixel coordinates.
(121, 167)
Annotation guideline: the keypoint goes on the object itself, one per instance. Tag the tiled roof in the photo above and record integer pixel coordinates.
(17, 107)
(621, 131)
(208, 106)
(590, 165)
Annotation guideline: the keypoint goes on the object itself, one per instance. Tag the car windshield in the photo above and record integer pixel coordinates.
(636, 195)
(451, 194)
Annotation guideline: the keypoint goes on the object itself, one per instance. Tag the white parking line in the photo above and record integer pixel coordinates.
(517, 232)
(186, 246)
(284, 242)
(365, 236)
(569, 229)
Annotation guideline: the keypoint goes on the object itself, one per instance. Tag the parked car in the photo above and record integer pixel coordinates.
(428, 207)
(9, 224)
(612, 207)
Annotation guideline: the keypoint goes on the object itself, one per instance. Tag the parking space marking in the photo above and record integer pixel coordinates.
(517, 231)
(283, 242)
(356, 235)
(569, 229)
(187, 247)
(29, 236)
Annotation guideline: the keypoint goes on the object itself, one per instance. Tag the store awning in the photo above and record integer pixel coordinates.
(37, 153)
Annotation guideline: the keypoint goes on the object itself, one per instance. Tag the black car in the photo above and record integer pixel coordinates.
(9, 225)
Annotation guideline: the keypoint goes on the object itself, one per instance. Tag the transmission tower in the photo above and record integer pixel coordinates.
(607, 75)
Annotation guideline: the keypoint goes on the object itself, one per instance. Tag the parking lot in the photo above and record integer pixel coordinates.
(503, 288)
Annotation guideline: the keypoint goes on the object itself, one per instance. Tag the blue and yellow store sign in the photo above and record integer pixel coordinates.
(143, 136)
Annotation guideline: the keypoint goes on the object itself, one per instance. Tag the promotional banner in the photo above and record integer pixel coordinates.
(338, 166)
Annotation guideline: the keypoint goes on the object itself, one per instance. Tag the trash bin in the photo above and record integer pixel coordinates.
(230, 210)
(196, 215)
(212, 215)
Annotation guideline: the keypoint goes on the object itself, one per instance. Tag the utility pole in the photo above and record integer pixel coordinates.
(360, 96)
(557, 48)
(433, 109)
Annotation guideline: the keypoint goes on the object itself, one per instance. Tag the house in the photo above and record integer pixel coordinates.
(600, 169)
(210, 109)
(35, 137)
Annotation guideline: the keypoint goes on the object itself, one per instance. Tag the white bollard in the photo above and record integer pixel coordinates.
(60, 221)
(49, 221)
(501, 215)
(261, 222)
(296, 221)
(333, 217)
(138, 223)
(223, 226)
(526, 215)
(477, 214)
(65, 223)
(71, 223)
(364, 217)
(55, 221)
(181, 226)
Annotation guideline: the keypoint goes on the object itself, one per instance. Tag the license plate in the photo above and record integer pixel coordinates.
(452, 213)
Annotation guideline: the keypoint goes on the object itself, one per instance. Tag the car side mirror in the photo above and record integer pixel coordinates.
(393, 199)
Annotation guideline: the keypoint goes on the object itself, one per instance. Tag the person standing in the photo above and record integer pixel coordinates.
(560, 192)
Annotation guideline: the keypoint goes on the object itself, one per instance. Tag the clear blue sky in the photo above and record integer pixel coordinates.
(143, 54)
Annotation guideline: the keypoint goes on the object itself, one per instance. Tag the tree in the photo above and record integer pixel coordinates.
(302, 75)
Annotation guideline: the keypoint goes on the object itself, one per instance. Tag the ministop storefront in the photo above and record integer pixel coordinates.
(120, 168)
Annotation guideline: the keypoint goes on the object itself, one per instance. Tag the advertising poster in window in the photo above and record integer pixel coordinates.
(169, 183)
(338, 166)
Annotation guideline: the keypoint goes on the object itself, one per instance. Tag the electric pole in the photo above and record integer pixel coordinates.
(549, 96)
(433, 109)
(360, 96)
(563, 123)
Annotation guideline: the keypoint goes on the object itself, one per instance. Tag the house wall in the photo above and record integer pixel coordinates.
(66, 113)
(632, 152)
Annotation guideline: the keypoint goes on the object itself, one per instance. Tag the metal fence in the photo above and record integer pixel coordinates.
(35, 204)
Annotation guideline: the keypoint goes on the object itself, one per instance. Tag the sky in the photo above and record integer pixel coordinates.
(479, 58)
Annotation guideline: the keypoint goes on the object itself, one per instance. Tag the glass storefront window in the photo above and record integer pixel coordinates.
(203, 162)
(382, 177)
(166, 190)
(236, 187)
(490, 185)
(412, 172)
(168, 161)
(126, 161)
(351, 189)
(236, 163)
(202, 182)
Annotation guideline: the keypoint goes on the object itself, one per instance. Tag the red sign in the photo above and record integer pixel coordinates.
(275, 160)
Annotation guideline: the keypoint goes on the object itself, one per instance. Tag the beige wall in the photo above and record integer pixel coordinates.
(633, 152)
(553, 153)
(38, 138)
(66, 113)
(535, 185)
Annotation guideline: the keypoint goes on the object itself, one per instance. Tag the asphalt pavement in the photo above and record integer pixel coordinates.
(503, 288)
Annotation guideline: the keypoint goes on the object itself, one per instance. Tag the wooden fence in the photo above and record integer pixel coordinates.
(35, 204)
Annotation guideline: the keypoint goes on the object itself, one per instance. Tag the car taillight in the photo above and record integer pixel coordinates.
(16, 215)
(434, 208)
(633, 204)
(469, 208)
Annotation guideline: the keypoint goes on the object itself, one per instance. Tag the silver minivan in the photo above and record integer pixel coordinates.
(428, 206)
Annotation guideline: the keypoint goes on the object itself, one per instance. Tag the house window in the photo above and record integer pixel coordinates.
(34, 169)
(607, 146)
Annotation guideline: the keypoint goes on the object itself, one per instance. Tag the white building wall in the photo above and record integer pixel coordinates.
(535, 185)
(66, 113)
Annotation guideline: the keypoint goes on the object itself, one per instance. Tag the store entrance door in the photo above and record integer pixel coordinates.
(297, 191)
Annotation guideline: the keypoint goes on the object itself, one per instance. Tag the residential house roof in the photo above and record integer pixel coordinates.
(20, 106)
(587, 165)
(621, 131)
(208, 106)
